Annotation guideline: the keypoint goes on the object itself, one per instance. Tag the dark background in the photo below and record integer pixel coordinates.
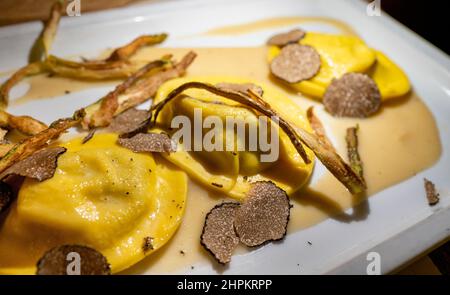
(430, 19)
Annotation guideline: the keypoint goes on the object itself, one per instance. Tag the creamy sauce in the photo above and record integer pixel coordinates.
(280, 22)
(45, 87)
(398, 142)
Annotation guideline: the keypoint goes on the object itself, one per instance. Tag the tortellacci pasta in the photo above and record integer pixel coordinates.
(231, 172)
(103, 196)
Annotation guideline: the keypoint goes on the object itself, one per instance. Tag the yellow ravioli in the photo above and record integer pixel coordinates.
(231, 172)
(390, 79)
(339, 54)
(103, 196)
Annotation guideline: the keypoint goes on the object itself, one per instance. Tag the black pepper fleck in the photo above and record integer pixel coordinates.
(148, 244)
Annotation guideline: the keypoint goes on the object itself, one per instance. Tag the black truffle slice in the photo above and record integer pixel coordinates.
(148, 142)
(353, 95)
(283, 39)
(218, 236)
(128, 121)
(296, 63)
(263, 216)
(59, 261)
(41, 165)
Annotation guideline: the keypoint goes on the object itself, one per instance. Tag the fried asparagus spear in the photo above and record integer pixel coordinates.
(33, 143)
(26, 71)
(42, 45)
(39, 52)
(138, 88)
(318, 128)
(25, 124)
(116, 66)
(127, 51)
(5, 146)
(135, 90)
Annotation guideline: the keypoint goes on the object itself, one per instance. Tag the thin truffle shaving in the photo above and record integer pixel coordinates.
(128, 121)
(89, 136)
(41, 165)
(148, 142)
(334, 163)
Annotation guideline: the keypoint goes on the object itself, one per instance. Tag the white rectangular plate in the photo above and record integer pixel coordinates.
(400, 225)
